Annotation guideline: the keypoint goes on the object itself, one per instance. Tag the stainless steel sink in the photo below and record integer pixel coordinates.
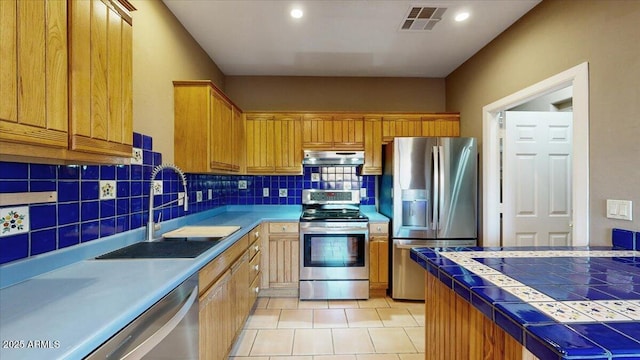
(166, 249)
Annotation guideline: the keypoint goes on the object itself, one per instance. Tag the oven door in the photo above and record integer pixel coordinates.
(334, 252)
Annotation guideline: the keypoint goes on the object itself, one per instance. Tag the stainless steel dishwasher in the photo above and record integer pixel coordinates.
(167, 330)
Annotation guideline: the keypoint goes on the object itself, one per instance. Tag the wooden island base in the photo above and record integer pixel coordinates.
(454, 329)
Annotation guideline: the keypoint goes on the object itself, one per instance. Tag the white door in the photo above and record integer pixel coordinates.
(536, 194)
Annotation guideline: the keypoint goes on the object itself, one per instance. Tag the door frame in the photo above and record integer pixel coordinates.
(578, 76)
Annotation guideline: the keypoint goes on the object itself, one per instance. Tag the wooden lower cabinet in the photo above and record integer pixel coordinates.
(378, 259)
(226, 299)
(215, 319)
(280, 259)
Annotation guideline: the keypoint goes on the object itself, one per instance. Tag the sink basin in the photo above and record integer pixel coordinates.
(160, 250)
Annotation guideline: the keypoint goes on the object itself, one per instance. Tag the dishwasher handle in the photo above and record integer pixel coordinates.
(154, 339)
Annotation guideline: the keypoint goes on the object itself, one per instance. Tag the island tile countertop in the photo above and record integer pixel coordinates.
(559, 303)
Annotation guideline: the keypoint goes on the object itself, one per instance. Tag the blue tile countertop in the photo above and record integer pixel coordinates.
(560, 303)
(65, 304)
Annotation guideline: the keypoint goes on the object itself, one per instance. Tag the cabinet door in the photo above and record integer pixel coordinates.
(287, 144)
(379, 263)
(401, 126)
(240, 298)
(348, 132)
(191, 127)
(215, 320)
(221, 135)
(33, 73)
(100, 81)
(372, 146)
(259, 144)
(441, 125)
(238, 140)
(317, 132)
(284, 264)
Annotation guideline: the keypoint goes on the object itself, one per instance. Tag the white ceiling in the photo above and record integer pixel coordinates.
(341, 38)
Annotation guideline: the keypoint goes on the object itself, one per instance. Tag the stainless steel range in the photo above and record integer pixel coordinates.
(334, 246)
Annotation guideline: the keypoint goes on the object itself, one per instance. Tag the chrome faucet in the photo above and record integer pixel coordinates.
(151, 225)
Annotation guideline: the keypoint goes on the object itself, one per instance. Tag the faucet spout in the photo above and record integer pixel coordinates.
(151, 223)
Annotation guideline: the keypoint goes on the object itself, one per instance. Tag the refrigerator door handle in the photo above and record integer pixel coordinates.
(436, 187)
(441, 183)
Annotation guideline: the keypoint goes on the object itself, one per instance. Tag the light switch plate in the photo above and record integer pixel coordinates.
(242, 184)
(363, 192)
(209, 194)
(619, 209)
(198, 196)
(265, 192)
(180, 199)
(282, 192)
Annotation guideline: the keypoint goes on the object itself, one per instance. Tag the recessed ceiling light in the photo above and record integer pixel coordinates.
(462, 16)
(296, 13)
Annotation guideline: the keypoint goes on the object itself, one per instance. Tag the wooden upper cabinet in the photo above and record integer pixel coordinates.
(33, 74)
(224, 149)
(287, 144)
(441, 125)
(259, 129)
(100, 81)
(317, 131)
(437, 124)
(274, 144)
(401, 126)
(348, 132)
(372, 146)
(204, 129)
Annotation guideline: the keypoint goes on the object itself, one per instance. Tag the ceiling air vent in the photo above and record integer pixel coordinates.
(422, 18)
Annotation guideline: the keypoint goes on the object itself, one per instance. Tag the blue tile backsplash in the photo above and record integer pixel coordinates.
(80, 216)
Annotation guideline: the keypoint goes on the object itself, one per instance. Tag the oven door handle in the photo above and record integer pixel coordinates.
(329, 230)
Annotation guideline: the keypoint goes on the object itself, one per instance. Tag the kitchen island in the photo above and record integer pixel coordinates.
(528, 303)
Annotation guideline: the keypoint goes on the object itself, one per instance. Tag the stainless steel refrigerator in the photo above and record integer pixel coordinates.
(429, 190)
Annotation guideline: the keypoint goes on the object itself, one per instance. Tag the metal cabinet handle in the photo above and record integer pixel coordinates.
(257, 267)
(284, 228)
(256, 248)
(257, 289)
(256, 234)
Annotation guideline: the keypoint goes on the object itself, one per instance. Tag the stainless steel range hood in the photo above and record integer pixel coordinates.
(332, 158)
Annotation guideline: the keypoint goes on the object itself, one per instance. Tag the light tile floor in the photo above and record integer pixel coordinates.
(290, 329)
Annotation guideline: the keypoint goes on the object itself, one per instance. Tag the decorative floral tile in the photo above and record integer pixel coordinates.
(561, 312)
(481, 270)
(157, 187)
(107, 189)
(596, 311)
(15, 220)
(628, 308)
(136, 156)
(502, 280)
(528, 294)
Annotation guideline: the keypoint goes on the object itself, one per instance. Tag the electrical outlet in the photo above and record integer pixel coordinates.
(180, 199)
(315, 176)
(282, 192)
(209, 194)
(265, 192)
(363, 192)
(198, 196)
(242, 184)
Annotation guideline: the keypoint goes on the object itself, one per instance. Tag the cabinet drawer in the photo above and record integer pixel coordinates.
(283, 228)
(254, 268)
(254, 289)
(379, 228)
(254, 249)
